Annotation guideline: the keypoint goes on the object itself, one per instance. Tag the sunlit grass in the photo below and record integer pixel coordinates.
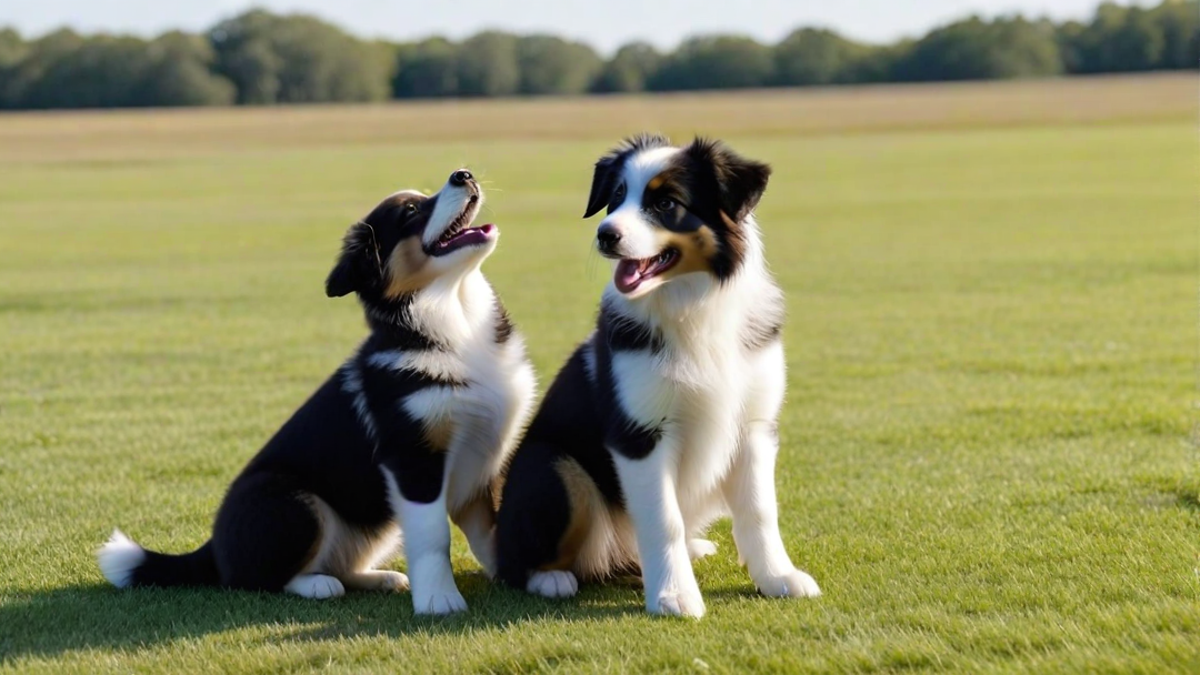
(986, 462)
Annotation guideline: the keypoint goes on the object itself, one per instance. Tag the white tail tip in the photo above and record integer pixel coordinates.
(118, 559)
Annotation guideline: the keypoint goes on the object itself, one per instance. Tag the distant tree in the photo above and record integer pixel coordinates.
(246, 56)
(551, 65)
(881, 63)
(977, 49)
(263, 58)
(1138, 44)
(1068, 35)
(715, 62)
(13, 50)
(101, 72)
(179, 73)
(487, 65)
(427, 69)
(297, 59)
(816, 56)
(40, 56)
(629, 69)
(1120, 39)
(1179, 23)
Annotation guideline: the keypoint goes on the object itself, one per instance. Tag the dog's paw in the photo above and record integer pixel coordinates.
(674, 603)
(316, 586)
(392, 581)
(700, 548)
(553, 584)
(794, 584)
(447, 602)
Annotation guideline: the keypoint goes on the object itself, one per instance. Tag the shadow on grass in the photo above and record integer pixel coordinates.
(53, 622)
(48, 623)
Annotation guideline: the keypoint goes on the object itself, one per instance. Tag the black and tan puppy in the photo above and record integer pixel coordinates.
(412, 428)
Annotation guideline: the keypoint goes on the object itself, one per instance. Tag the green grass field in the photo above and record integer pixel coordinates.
(988, 461)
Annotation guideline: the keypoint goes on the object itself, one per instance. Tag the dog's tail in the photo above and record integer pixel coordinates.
(125, 564)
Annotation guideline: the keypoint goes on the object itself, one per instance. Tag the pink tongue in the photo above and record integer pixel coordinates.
(628, 275)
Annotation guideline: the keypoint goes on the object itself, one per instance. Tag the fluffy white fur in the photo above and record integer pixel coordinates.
(118, 558)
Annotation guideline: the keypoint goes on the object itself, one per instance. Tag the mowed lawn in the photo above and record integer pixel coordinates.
(988, 458)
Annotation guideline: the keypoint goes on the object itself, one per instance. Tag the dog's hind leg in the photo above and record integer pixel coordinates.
(477, 520)
(539, 528)
(265, 534)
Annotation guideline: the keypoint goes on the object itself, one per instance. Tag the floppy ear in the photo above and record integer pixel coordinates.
(602, 184)
(740, 181)
(358, 266)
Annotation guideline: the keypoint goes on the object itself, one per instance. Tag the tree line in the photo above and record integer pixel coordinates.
(259, 58)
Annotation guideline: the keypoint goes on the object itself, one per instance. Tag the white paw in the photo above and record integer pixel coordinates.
(392, 581)
(316, 586)
(671, 603)
(700, 548)
(794, 584)
(446, 602)
(553, 584)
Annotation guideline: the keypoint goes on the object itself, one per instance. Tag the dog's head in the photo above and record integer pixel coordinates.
(410, 240)
(673, 211)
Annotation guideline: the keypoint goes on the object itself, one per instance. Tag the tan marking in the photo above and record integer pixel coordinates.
(407, 268)
(438, 433)
(481, 508)
(583, 497)
(341, 548)
(696, 251)
(656, 182)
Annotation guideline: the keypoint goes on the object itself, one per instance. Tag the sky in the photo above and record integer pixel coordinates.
(604, 24)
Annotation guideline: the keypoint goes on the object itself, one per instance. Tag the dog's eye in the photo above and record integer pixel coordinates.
(410, 208)
(664, 205)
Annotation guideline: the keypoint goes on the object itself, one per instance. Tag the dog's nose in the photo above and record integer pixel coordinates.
(607, 237)
(459, 178)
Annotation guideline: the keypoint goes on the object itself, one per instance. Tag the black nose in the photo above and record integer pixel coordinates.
(607, 237)
(459, 178)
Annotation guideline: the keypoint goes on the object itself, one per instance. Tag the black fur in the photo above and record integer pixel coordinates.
(608, 168)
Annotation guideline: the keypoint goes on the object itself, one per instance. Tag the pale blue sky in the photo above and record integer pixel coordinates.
(605, 24)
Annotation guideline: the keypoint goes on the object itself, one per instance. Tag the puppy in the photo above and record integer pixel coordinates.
(414, 426)
(664, 419)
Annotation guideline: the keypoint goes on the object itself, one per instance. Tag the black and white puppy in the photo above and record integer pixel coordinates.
(664, 419)
(416, 425)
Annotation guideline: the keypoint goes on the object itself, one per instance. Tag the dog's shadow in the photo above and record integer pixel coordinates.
(52, 622)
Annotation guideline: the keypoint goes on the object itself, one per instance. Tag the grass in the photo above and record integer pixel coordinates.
(987, 461)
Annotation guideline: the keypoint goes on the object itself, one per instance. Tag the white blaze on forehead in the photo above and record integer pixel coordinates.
(641, 168)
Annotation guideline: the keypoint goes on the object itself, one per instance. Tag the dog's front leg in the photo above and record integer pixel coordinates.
(649, 488)
(426, 529)
(750, 491)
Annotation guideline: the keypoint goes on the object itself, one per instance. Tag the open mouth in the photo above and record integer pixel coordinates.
(459, 234)
(630, 274)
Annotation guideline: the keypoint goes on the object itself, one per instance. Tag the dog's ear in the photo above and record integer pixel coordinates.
(740, 182)
(358, 266)
(603, 182)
